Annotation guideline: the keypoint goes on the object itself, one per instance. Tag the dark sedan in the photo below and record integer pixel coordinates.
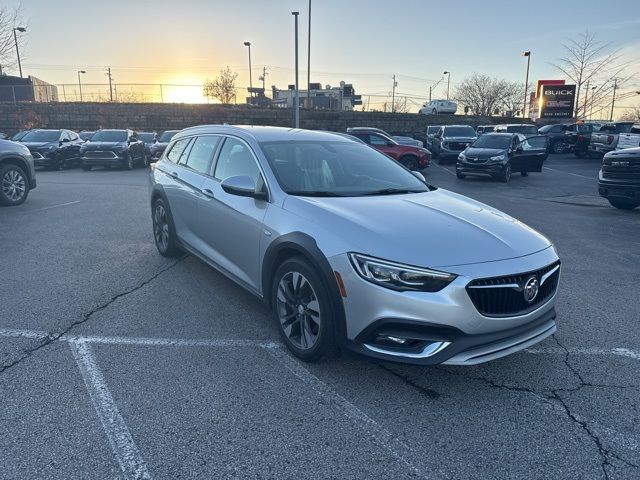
(159, 147)
(113, 148)
(498, 154)
(53, 148)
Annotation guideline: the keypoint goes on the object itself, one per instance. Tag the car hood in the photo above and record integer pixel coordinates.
(460, 139)
(103, 145)
(38, 145)
(431, 229)
(483, 152)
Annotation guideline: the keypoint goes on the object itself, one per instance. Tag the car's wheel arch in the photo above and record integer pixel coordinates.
(298, 244)
(159, 193)
(18, 162)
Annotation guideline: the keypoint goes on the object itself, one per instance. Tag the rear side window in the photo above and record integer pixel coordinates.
(177, 149)
(377, 140)
(201, 153)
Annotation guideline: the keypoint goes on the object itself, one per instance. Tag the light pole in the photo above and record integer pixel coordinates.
(296, 103)
(15, 39)
(448, 74)
(309, 56)
(80, 83)
(526, 83)
(248, 45)
(592, 95)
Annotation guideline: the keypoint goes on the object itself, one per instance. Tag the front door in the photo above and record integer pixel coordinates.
(533, 152)
(229, 226)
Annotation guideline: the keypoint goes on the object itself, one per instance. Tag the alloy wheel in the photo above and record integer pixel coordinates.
(298, 310)
(161, 228)
(14, 185)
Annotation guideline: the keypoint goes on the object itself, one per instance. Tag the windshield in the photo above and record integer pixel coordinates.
(526, 129)
(501, 142)
(167, 136)
(42, 136)
(146, 137)
(86, 135)
(110, 136)
(337, 169)
(459, 132)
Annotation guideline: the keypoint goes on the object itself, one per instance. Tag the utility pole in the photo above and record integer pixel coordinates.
(248, 45)
(263, 77)
(429, 92)
(309, 55)
(615, 87)
(526, 84)
(393, 95)
(448, 74)
(296, 102)
(80, 83)
(110, 84)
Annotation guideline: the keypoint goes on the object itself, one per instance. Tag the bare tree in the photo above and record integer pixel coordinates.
(223, 88)
(399, 105)
(632, 114)
(9, 19)
(590, 61)
(487, 96)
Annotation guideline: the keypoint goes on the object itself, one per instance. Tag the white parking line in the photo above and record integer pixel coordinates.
(168, 342)
(397, 448)
(131, 462)
(51, 206)
(21, 333)
(621, 352)
(570, 173)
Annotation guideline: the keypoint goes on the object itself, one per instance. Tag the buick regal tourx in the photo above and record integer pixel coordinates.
(350, 248)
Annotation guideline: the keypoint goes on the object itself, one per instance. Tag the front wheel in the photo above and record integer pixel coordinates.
(579, 153)
(14, 185)
(302, 310)
(623, 203)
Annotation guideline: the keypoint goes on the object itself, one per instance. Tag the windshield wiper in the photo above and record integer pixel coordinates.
(314, 193)
(394, 191)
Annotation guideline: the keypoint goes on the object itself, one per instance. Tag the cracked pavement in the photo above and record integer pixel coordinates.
(91, 269)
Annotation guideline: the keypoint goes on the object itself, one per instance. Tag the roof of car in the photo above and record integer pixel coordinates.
(447, 126)
(516, 125)
(265, 134)
(501, 134)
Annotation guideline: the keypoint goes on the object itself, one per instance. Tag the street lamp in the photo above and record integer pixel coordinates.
(448, 74)
(248, 45)
(297, 94)
(80, 83)
(15, 39)
(526, 83)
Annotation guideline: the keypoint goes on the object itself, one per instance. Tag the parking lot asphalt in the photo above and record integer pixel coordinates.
(118, 363)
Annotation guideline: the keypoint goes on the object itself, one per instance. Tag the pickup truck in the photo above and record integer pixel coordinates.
(606, 139)
(577, 137)
(619, 178)
(629, 140)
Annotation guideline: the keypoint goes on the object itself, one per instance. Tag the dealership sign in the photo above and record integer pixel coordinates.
(556, 101)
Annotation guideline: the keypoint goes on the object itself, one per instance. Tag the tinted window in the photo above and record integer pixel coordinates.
(526, 129)
(177, 150)
(623, 127)
(378, 140)
(635, 129)
(110, 136)
(42, 136)
(201, 153)
(236, 159)
(492, 141)
(459, 132)
(337, 169)
(363, 136)
(86, 135)
(146, 137)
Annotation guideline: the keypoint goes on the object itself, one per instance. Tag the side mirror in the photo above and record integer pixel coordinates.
(419, 176)
(242, 186)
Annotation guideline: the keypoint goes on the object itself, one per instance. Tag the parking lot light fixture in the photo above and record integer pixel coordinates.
(448, 74)
(15, 39)
(248, 45)
(80, 83)
(296, 105)
(526, 83)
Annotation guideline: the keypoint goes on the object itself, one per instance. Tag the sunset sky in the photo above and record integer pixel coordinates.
(363, 42)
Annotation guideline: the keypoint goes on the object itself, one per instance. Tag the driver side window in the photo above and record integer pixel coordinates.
(236, 159)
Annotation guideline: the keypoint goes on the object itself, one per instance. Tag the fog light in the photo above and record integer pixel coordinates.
(388, 338)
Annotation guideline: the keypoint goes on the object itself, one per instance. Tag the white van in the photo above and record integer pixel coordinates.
(434, 107)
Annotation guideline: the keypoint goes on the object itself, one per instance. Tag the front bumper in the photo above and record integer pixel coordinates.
(600, 150)
(608, 188)
(114, 160)
(467, 168)
(448, 316)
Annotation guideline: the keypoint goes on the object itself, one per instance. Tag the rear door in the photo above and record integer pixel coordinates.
(531, 152)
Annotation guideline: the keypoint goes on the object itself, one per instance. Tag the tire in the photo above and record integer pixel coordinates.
(409, 161)
(557, 147)
(164, 232)
(86, 168)
(300, 303)
(623, 203)
(14, 185)
(461, 176)
(506, 174)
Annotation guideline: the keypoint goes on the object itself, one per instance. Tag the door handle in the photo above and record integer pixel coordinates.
(174, 174)
(208, 192)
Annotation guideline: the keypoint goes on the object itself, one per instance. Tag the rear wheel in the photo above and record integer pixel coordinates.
(557, 147)
(14, 185)
(579, 153)
(623, 203)
(302, 310)
(164, 231)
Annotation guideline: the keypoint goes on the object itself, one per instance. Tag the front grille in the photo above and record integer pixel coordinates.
(624, 168)
(458, 145)
(100, 155)
(477, 160)
(504, 297)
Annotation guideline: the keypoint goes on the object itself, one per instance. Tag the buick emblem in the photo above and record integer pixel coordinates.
(531, 288)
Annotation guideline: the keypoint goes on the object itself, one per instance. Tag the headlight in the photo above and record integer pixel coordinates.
(399, 277)
(461, 156)
(498, 158)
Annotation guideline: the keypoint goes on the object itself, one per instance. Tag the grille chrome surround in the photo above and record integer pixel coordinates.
(503, 296)
(96, 154)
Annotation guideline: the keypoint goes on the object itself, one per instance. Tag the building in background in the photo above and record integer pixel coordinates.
(30, 89)
(318, 98)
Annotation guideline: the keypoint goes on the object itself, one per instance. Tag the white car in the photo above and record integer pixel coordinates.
(434, 107)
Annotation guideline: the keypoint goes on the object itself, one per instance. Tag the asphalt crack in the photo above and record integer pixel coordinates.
(427, 392)
(52, 337)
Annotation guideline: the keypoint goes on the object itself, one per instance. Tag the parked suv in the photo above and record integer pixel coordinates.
(17, 173)
(53, 148)
(451, 140)
(112, 148)
(348, 248)
(414, 158)
(619, 178)
(605, 140)
(527, 129)
(435, 107)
